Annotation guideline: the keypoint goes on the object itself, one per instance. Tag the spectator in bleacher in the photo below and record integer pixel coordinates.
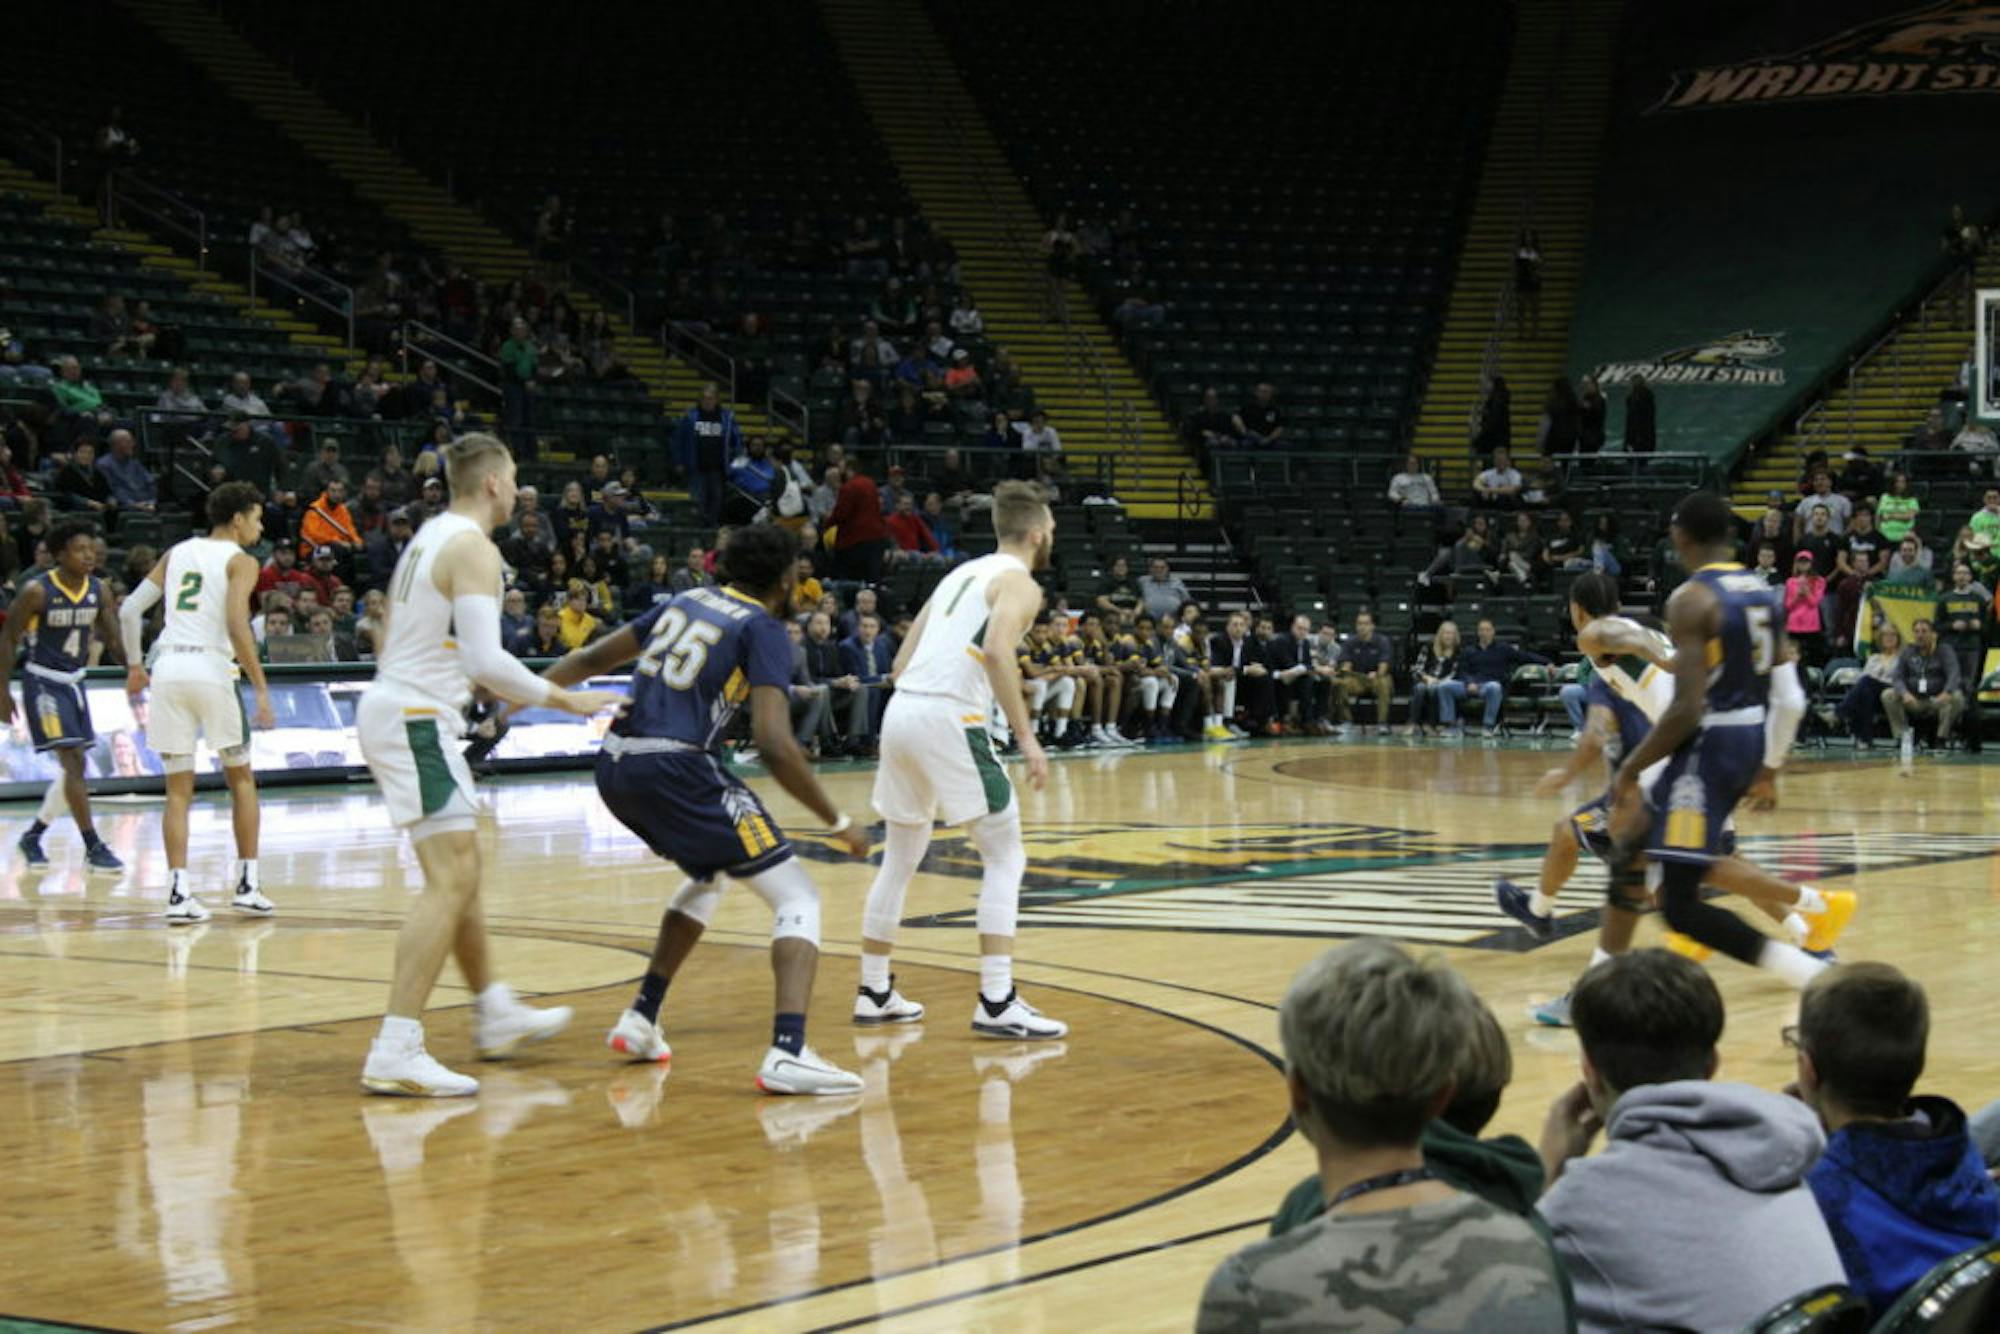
(867, 656)
(1118, 594)
(1926, 683)
(1374, 1045)
(825, 496)
(1436, 665)
(861, 420)
(1565, 549)
(1897, 511)
(525, 555)
(752, 475)
(1366, 669)
(1522, 551)
(1211, 425)
(907, 419)
(1259, 423)
(1964, 610)
(518, 357)
(1059, 253)
(328, 522)
(385, 548)
(862, 249)
(248, 454)
(1977, 439)
(894, 310)
(1929, 435)
(399, 485)
(595, 480)
(517, 627)
(1590, 414)
(317, 393)
(1467, 563)
(1413, 490)
(1765, 566)
(177, 397)
(1861, 479)
(1819, 541)
(242, 397)
(1696, 1215)
(1301, 693)
(656, 585)
(1499, 485)
(861, 538)
(1556, 433)
(1641, 420)
(894, 488)
(1162, 592)
(943, 527)
(579, 626)
(611, 514)
(1861, 705)
(1911, 563)
(966, 321)
(705, 440)
(79, 485)
(79, 397)
(848, 622)
(326, 580)
(1496, 424)
(1805, 592)
(1036, 436)
(1901, 1185)
(961, 378)
(546, 641)
(111, 329)
(1861, 541)
(314, 477)
(1771, 532)
(131, 482)
(1484, 669)
(693, 574)
(282, 572)
(15, 366)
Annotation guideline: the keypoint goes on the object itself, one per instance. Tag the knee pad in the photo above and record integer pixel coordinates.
(234, 757)
(1005, 861)
(176, 764)
(793, 898)
(696, 899)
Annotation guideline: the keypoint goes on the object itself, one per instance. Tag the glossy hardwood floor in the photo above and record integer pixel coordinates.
(189, 1149)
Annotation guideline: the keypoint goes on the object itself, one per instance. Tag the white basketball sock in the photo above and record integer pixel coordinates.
(55, 804)
(396, 1029)
(1790, 962)
(875, 972)
(1810, 900)
(246, 871)
(1598, 956)
(1540, 904)
(1796, 928)
(996, 976)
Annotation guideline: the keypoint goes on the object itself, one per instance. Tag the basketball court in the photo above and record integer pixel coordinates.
(190, 1146)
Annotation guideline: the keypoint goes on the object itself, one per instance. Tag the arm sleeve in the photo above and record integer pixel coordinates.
(476, 620)
(132, 618)
(1787, 708)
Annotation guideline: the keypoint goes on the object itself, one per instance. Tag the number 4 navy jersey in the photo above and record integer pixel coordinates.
(700, 654)
(1745, 649)
(62, 633)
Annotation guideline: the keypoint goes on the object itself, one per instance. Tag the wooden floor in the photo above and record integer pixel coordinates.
(188, 1147)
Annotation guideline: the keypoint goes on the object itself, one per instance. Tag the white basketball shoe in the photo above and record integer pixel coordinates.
(807, 1073)
(639, 1039)
(1014, 1018)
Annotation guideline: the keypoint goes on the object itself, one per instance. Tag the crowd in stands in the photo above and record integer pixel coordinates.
(1711, 1203)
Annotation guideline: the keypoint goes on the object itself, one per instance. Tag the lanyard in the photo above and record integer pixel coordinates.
(1409, 1176)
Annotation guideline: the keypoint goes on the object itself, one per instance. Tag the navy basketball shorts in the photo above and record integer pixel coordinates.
(691, 811)
(58, 714)
(1695, 794)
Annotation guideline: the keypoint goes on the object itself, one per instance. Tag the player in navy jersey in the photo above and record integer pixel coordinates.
(697, 659)
(60, 612)
(1728, 632)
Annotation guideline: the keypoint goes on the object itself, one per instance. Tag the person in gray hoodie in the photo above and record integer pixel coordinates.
(1697, 1214)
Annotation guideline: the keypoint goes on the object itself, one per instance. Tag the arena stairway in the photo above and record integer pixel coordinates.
(1543, 150)
(454, 230)
(155, 254)
(1878, 407)
(953, 167)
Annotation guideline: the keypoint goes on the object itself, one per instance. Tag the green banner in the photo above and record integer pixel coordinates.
(1900, 605)
(1777, 180)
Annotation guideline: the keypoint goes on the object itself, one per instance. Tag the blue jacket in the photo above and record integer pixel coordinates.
(754, 476)
(1494, 662)
(1899, 1196)
(870, 662)
(706, 444)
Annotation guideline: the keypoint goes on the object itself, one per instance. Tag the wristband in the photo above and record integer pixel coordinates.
(842, 825)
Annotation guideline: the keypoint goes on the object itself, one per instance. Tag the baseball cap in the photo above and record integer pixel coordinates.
(615, 489)
(323, 551)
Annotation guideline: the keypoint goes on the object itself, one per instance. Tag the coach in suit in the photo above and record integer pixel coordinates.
(1248, 684)
(1298, 686)
(867, 657)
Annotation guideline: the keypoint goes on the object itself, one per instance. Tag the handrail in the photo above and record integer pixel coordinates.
(166, 208)
(342, 311)
(427, 337)
(677, 339)
(1284, 468)
(1078, 351)
(779, 405)
(39, 134)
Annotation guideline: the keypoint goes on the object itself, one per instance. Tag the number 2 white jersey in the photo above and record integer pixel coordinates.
(194, 640)
(419, 655)
(950, 659)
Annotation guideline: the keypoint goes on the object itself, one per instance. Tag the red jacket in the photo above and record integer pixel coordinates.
(271, 577)
(857, 513)
(911, 532)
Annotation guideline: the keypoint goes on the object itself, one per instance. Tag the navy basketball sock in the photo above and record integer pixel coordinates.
(789, 1033)
(652, 990)
(90, 839)
(36, 830)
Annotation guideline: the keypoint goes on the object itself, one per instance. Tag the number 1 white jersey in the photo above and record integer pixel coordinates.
(950, 659)
(194, 640)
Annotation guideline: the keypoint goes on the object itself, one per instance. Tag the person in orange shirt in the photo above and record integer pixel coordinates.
(329, 523)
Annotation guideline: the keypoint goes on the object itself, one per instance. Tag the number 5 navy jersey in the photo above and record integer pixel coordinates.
(699, 656)
(1745, 647)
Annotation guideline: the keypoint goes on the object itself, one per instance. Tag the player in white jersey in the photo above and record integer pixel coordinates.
(937, 763)
(442, 638)
(1632, 662)
(206, 582)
